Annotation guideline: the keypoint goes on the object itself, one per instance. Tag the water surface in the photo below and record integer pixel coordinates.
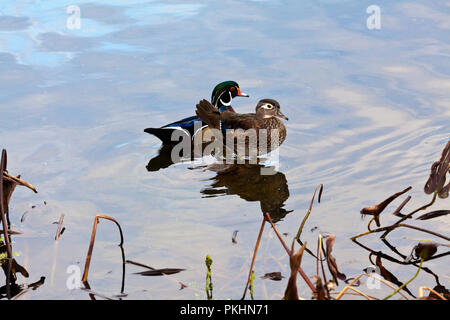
(368, 114)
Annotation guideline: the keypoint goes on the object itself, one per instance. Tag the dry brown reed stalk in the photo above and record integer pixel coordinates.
(91, 244)
(300, 229)
(254, 257)
(349, 286)
(392, 227)
(3, 165)
(319, 258)
(353, 294)
(421, 295)
(60, 222)
(289, 252)
(360, 293)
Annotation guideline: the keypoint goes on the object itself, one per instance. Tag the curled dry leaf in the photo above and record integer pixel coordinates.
(331, 261)
(17, 180)
(8, 188)
(18, 268)
(295, 260)
(15, 268)
(377, 209)
(425, 250)
(437, 178)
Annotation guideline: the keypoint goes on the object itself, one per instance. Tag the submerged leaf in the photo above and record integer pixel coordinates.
(331, 261)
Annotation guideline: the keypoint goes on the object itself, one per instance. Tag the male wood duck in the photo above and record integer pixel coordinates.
(221, 98)
(266, 117)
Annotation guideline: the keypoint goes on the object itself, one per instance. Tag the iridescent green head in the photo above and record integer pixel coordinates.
(224, 92)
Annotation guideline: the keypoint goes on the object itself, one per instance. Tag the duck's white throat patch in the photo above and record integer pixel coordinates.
(226, 103)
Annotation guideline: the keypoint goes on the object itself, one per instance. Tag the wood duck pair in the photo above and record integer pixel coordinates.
(221, 98)
(220, 115)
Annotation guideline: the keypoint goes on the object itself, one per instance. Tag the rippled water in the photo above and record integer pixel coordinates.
(368, 114)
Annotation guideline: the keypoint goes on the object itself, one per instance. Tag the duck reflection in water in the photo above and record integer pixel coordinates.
(164, 158)
(249, 183)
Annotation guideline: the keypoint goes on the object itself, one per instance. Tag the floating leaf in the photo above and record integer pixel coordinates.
(433, 214)
(331, 261)
(160, 272)
(275, 276)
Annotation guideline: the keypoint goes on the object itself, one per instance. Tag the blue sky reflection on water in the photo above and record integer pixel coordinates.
(368, 114)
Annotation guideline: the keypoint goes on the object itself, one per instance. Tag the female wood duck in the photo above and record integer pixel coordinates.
(221, 98)
(266, 117)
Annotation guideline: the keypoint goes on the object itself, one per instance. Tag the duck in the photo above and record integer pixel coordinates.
(265, 122)
(221, 98)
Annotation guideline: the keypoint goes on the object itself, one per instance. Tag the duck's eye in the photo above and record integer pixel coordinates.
(269, 106)
(232, 88)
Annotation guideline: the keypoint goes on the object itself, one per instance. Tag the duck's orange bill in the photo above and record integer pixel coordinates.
(241, 94)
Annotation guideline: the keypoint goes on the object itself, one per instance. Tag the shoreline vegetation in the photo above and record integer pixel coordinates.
(322, 284)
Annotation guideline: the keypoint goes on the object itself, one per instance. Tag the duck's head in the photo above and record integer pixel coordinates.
(224, 92)
(268, 108)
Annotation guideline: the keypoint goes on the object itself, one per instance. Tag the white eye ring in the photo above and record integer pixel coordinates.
(268, 106)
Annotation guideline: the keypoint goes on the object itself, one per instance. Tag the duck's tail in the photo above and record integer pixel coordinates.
(208, 113)
(165, 134)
